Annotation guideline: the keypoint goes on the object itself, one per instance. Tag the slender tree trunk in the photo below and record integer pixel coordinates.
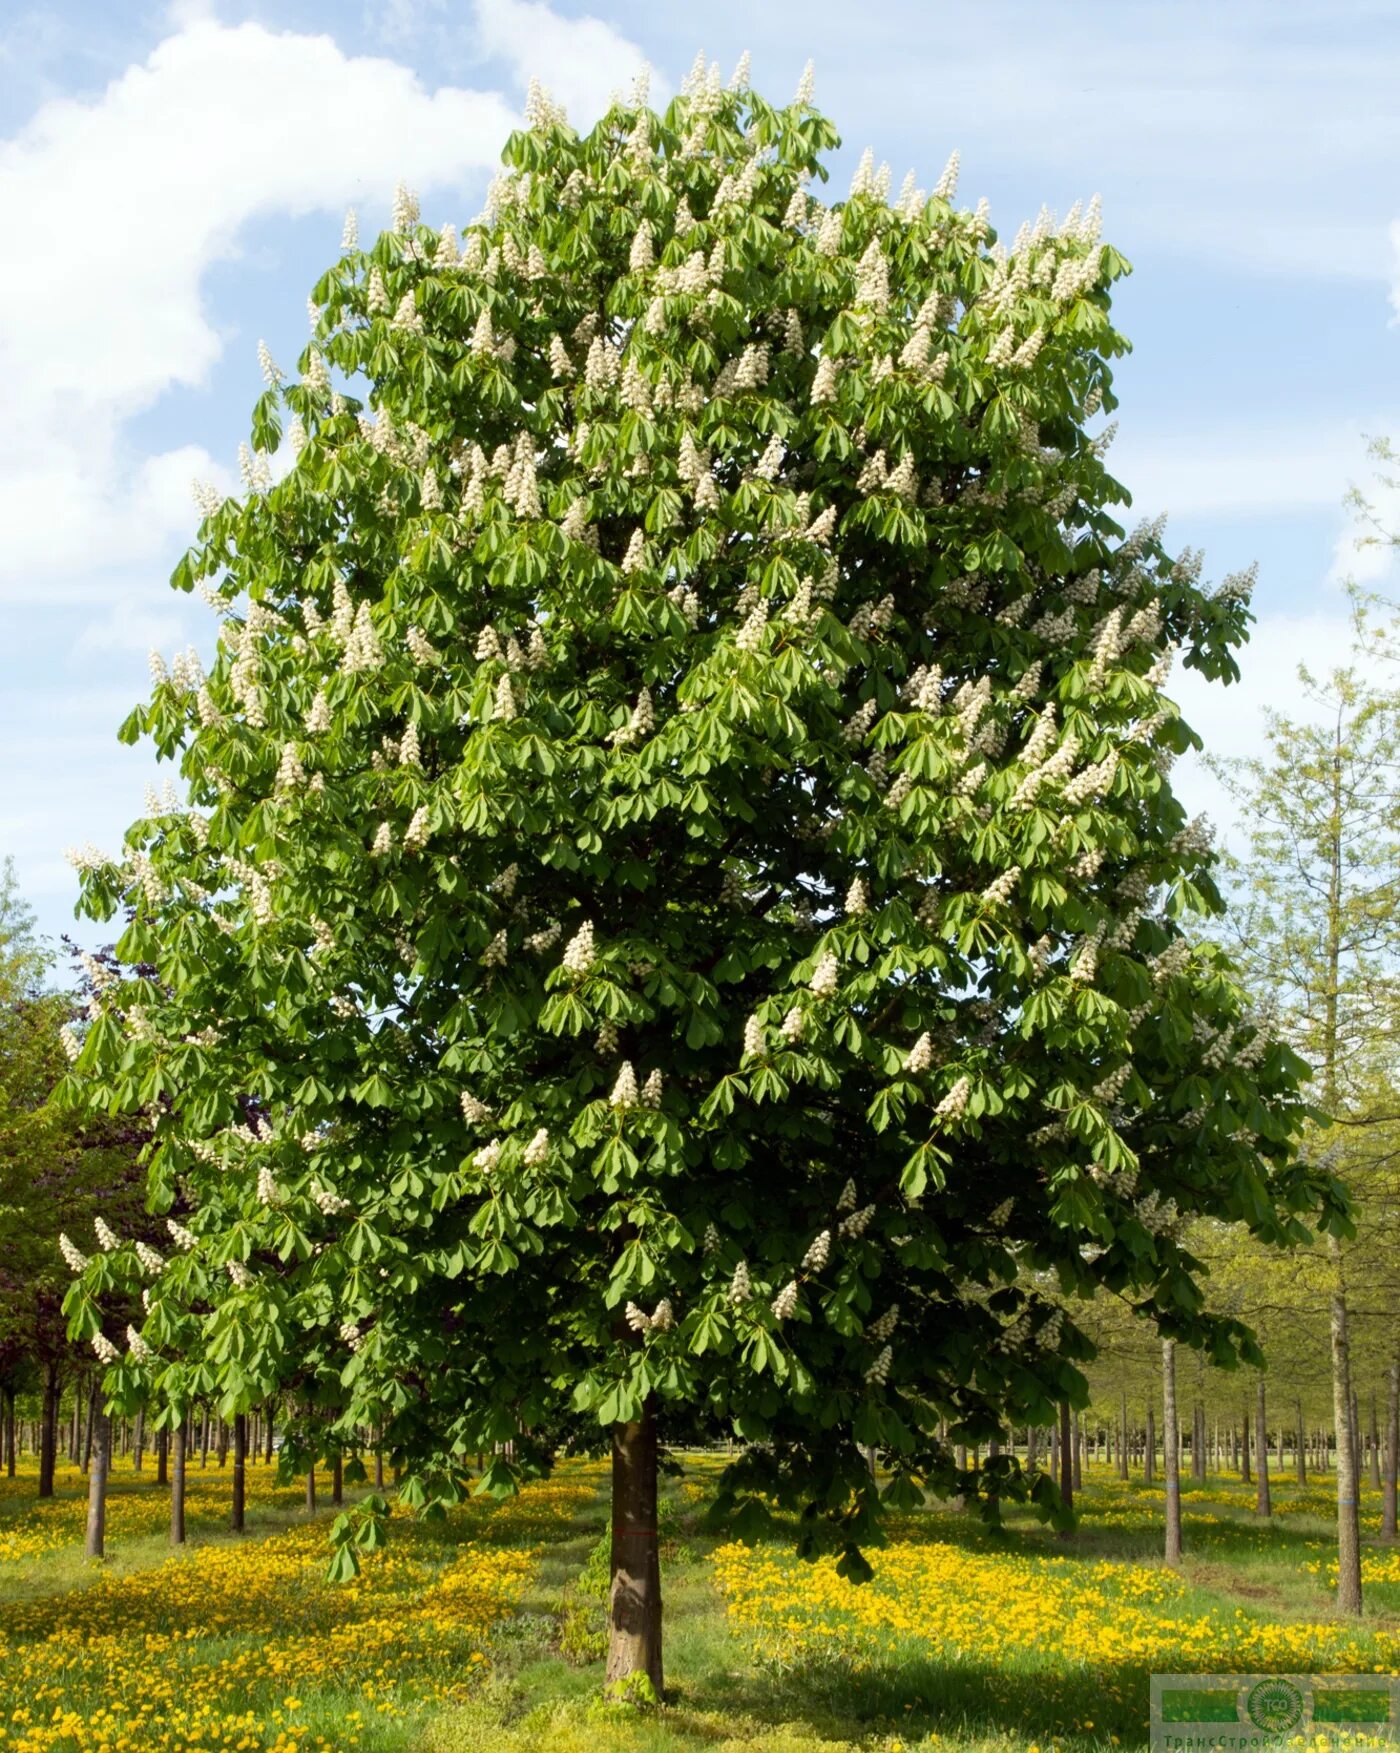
(1392, 1449)
(1077, 1431)
(162, 1456)
(1123, 1437)
(634, 1600)
(267, 1436)
(1171, 1458)
(311, 1489)
(1348, 1513)
(338, 1480)
(96, 1544)
(1149, 1449)
(48, 1430)
(1374, 1441)
(204, 1438)
(9, 1433)
(1302, 1446)
(138, 1441)
(1066, 1460)
(177, 1486)
(1263, 1505)
(1245, 1473)
(240, 1461)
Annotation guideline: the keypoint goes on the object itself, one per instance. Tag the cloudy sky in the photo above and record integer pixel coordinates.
(172, 180)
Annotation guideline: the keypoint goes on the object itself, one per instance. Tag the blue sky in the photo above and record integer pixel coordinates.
(172, 179)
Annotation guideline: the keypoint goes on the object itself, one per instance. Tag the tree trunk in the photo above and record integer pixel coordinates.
(311, 1489)
(1263, 1506)
(1123, 1438)
(1078, 1435)
(204, 1439)
(48, 1430)
(1066, 1459)
(1375, 1444)
(240, 1461)
(1245, 1474)
(1348, 1514)
(267, 1436)
(177, 1486)
(634, 1600)
(1392, 1449)
(338, 1480)
(138, 1441)
(1149, 1449)
(163, 1456)
(1171, 1457)
(9, 1433)
(1302, 1447)
(96, 1545)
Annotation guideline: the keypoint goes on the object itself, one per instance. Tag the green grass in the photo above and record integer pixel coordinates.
(530, 1679)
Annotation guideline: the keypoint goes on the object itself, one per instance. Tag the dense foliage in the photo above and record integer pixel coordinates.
(681, 899)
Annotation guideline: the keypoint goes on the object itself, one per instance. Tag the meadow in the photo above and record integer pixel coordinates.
(485, 1631)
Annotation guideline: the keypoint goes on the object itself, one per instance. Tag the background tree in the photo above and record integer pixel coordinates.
(1320, 938)
(682, 899)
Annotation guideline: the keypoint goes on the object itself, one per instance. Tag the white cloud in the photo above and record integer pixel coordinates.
(123, 204)
(581, 60)
(1245, 471)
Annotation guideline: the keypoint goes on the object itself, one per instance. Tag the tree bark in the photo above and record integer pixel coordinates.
(1171, 1457)
(1302, 1447)
(48, 1430)
(1392, 1450)
(1245, 1474)
(1078, 1435)
(96, 1544)
(634, 1600)
(1149, 1449)
(1123, 1437)
(311, 1489)
(240, 1461)
(1263, 1505)
(162, 1456)
(1348, 1513)
(138, 1441)
(177, 1486)
(267, 1436)
(9, 1433)
(338, 1481)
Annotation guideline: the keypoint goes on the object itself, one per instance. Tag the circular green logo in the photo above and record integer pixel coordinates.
(1274, 1706)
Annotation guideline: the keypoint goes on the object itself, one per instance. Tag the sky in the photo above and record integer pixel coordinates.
(173, 179)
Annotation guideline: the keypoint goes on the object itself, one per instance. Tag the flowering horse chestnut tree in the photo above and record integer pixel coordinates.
(680, 910)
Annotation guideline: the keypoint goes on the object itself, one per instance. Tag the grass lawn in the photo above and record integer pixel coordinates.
(485, 1632)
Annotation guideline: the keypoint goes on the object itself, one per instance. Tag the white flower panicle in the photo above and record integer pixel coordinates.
(624, 1090)
(72, 1045)
(350, 232)
(954, 1104)
(920, 1056)
(740, 1289)
(793, 1025)
(651, 1090)
(404, 213)
(75, 1258)
(239, 1273)
(755, 1046)
(827, 976)
(847, 1198)
(138, 1346)
(879, 1331)
(327, 1202)
(106, 1240)
(579, 953)
(182, 1237)
(103, 1346)
(785, 1303)
(475, 1113)
(1002, 888)
(488, 1157)
(818, 1253)
(537, 1150)
(857, 1223)
(750, 635)
(383, 841)
(857, 900)
(710, 1242)
(879, 1372)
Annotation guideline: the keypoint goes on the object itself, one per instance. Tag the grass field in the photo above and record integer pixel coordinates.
(485, 1633)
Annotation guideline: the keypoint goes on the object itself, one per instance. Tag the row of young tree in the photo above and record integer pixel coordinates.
(677, 917)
